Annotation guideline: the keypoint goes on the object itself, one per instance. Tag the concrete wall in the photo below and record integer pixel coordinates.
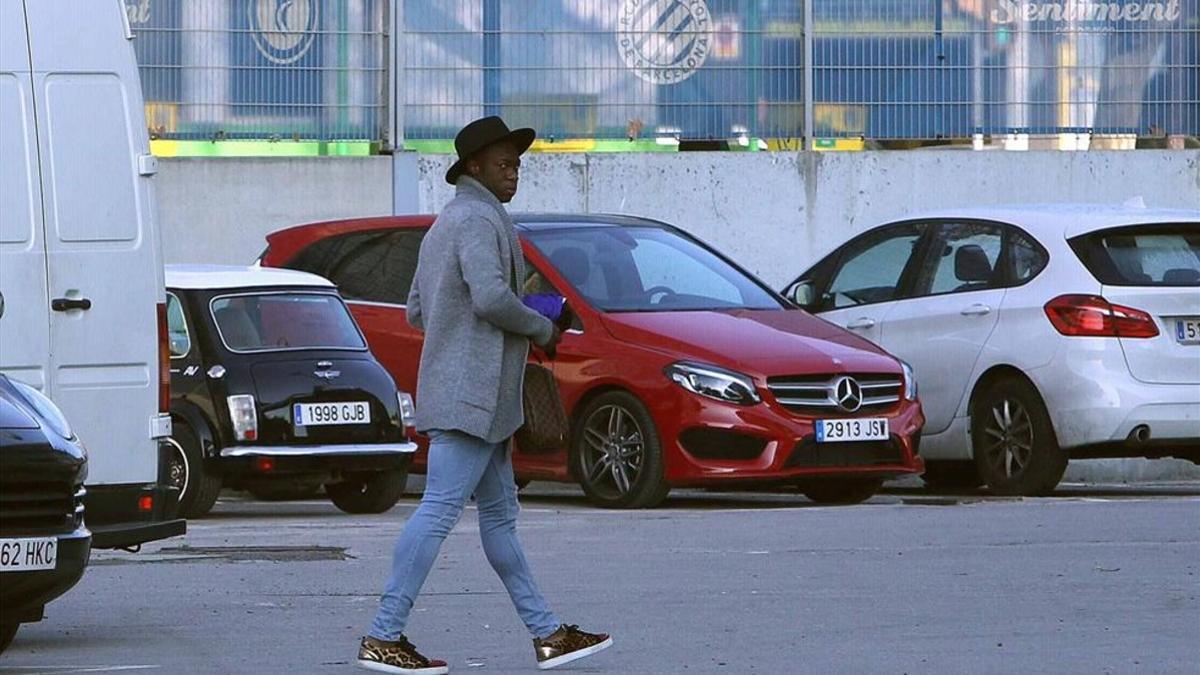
(218, 210)
(776, 213)
(773, 212)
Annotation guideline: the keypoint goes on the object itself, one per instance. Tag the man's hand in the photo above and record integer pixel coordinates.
(551, 347)
(566, 318)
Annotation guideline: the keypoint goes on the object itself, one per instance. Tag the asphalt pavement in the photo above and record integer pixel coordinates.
(1097, 579)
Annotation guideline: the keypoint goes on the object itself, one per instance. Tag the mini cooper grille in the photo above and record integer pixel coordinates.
(837, 394)
(40, 508)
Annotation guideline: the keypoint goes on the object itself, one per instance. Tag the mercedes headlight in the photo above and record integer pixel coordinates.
(46, 409)
(714, 382)
(910, 382)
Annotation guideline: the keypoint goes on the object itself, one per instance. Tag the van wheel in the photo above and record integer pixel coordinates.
(368, 493)
(841, 490)
(198, 489)
(1013, 441)
(8, 631)
(617, 454)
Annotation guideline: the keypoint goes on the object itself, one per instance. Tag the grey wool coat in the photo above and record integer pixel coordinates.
(465, 298)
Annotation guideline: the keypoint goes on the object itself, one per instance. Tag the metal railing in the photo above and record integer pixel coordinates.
(263, 69)
(643, 74)
(895, 69)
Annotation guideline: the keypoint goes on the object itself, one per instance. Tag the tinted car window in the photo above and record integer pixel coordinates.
(663, 265)
(871, 268)
(962, 258)
(1146, 255)
(1026, 259)
(623, 269)
(376, 266)
(177, 331)
(322, 255)
(278, 321)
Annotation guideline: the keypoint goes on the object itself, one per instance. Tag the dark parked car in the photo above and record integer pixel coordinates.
(44, 544)
(273, 388)
(681, 369)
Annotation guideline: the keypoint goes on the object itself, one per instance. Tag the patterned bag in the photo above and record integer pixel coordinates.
(546, 427)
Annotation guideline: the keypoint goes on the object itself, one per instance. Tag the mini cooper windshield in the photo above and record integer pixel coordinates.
(648, 269)
(258, 322)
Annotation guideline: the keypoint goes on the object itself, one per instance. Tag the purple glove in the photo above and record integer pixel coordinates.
(549, 305)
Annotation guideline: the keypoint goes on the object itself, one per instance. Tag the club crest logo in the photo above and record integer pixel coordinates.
(283, 30)
(664, 41)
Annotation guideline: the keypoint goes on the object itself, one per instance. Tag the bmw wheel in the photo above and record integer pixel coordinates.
(1013, 440)
(617, 454)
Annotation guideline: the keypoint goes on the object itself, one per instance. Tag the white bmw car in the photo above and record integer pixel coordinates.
(1038, 334)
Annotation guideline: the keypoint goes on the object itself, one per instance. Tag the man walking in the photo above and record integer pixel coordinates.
(477, 334)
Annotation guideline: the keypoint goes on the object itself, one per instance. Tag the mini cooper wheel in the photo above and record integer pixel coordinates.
(617, 454)
(185, 470)
(841, 490)
(368, 493)
(1013, 440)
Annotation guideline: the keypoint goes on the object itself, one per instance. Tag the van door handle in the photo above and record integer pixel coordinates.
(67, 304)
(977, 310)
(861, 324)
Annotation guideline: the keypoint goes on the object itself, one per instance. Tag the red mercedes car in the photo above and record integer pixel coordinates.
(682, 369)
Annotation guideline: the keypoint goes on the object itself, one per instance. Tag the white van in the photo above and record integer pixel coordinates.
(82, 301)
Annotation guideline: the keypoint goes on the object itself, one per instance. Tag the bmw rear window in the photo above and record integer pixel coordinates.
(1143, 255)
(259, 322)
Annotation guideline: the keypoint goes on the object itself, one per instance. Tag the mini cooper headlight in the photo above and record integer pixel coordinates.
(46, 409)
(714, 382)
(910, 382)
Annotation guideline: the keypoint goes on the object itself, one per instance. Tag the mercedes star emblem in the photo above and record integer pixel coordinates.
(848, 394)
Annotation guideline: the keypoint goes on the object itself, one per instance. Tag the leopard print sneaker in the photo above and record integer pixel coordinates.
(399, 657)
(567, 644)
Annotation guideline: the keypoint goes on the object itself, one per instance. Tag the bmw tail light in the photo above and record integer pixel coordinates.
(244, 416)
(164, 361)
(1093, 316)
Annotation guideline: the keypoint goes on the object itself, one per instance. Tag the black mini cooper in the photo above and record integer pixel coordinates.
(273, 389)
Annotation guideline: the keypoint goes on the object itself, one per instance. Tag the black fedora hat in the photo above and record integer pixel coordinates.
(481, 133)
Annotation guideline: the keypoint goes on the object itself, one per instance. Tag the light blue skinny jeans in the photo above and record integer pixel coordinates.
(461, 465)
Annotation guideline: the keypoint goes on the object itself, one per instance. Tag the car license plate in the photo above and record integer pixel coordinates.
(1187, 331)
(319, 414)
(837, 431)
(28, 555)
